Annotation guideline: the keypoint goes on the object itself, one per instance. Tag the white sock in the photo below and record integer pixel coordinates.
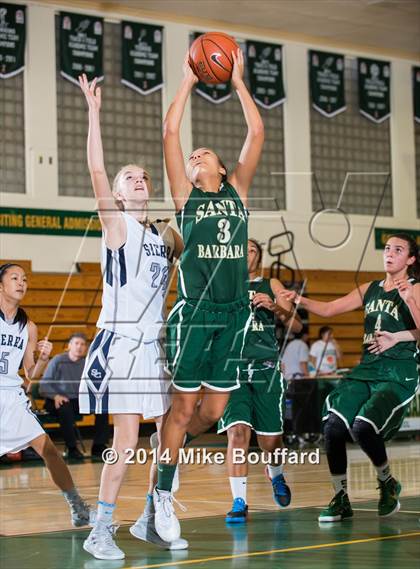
(105, 512)
(238, 487)
(274, 471)
(384, 472)
(339, 482)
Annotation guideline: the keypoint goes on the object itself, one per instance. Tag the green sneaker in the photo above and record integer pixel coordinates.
(338, 509)
(388, 502)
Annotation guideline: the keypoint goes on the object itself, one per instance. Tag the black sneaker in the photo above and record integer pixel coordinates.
(97, 450)
(73, 453)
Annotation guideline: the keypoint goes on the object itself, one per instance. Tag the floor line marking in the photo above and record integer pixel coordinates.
(268, 552)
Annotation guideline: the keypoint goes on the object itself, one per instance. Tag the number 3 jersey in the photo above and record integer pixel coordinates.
(214, 228)
(135, 280)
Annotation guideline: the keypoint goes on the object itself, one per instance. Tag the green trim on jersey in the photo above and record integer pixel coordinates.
(261, 342)
(214, 228)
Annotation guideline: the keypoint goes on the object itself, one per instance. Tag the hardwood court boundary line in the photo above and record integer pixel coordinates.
(270, 551)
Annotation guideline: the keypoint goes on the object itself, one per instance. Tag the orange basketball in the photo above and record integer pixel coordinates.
(211, 57)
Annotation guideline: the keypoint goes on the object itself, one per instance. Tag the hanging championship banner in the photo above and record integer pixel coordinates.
(374, 89)
(265, 73)
(215, 93)
(416, 93)
(81, 46)
(12, 39)
(326, 76)
(142, 57)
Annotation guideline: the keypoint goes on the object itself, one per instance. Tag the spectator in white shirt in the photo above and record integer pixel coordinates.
(325, 352)
(296, 356)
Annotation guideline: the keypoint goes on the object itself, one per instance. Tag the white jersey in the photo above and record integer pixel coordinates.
(135, 280)
(13, 342)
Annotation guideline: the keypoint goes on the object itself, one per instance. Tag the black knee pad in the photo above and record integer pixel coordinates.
(362, 430)
(335, 429)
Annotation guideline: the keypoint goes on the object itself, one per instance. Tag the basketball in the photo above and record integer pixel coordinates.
(211, 57)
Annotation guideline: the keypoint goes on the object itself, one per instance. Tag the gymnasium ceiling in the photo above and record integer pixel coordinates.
(379, 24)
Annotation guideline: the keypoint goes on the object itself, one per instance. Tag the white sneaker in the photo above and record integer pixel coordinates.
(166, 523)
(81, 513)
(101, 544)
(154, 443)
(144, 529)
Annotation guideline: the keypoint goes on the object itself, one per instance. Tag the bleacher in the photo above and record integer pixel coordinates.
(61, 304)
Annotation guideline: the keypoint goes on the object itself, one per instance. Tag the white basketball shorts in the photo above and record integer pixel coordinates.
(18, 425)
(122, 375)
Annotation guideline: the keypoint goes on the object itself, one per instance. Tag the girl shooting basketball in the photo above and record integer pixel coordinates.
(124, 373)
(369, 405)
(19, 427)
(206, 326)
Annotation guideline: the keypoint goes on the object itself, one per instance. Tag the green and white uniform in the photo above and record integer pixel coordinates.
(259, 401)
(206, 327)
(380, 388)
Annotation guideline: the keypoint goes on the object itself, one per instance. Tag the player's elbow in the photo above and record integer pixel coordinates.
(169, 129)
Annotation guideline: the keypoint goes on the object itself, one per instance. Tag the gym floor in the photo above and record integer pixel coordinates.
(36, 531)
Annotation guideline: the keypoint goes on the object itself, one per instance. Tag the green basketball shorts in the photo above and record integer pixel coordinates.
(205, 342)
(383, 404)
(258, 402)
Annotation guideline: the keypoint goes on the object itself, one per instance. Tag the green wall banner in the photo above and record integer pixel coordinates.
(81, 46)
(265, 72)
(326, 77)
(374, 89)
(49, 222)
(142, 57)
(12, 39)
(382, 235)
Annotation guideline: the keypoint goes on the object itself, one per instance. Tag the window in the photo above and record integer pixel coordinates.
(346, 143)
(12, 126)
(131, 125)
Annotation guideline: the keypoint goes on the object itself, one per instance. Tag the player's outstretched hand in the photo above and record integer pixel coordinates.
(382, 341)
(238, 67)
(189, 74)
(91, 92)
(290, 295)
(44, 348)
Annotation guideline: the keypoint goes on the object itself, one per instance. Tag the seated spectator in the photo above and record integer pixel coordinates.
(296, 356)
(60, 387)
(325, 353)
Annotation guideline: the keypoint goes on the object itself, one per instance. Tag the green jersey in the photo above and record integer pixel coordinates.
(386, 311)
(214, 228)
(260, 341)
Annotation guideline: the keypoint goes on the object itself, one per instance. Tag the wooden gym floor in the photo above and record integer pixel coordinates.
(36, 531)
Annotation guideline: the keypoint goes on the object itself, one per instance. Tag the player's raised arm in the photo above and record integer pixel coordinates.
(109, 213)
(347, 303)
(179, 184)
(251, 150)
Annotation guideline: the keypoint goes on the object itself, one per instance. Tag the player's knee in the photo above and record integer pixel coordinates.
(210, 416)
(334, 429)
(270, 444)
(47, 450)
(239, 435)
(362, 430)
(182, 416)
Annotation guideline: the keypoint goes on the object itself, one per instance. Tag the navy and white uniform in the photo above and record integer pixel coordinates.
(124, 370)
(18, 425)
